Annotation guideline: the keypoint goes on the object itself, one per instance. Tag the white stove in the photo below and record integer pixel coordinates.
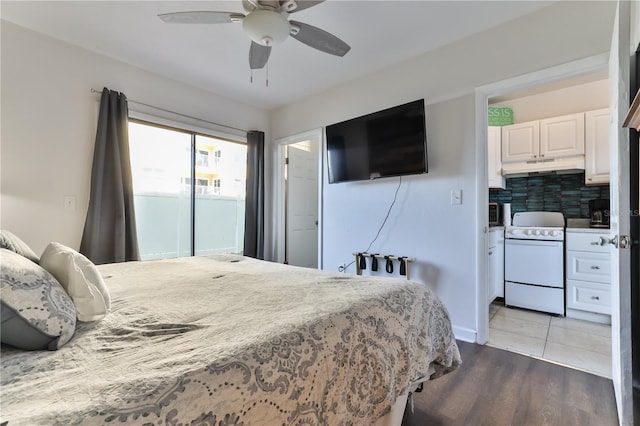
(547, 226)
(535, 233)
(534, 262)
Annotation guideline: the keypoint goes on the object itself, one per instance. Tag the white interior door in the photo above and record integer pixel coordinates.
(619, 70)
(301, 247)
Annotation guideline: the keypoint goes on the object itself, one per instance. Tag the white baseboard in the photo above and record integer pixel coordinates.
(589, 316)
(464, 334)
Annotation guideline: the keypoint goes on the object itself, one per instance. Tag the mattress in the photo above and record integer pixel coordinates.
(227, 339)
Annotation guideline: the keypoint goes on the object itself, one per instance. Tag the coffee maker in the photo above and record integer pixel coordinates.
(599, 213)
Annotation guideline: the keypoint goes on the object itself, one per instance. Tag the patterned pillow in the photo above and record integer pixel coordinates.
(80, 278)
(36, 311)
(10, 241)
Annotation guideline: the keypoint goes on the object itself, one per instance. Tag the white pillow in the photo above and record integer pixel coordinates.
(80, 278)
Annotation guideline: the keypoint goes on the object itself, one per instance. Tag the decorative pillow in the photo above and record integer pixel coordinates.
(10, 241)
(80, 278)
(36, 311)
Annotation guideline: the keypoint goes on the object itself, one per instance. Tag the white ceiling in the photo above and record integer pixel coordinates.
(215, 57)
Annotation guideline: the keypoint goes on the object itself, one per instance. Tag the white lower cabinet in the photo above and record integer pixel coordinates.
(588, 273)
(496, 263)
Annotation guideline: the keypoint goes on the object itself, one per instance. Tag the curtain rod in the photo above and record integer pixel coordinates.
(176, 113)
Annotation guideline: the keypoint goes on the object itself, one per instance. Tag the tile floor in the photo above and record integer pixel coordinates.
(578, 344)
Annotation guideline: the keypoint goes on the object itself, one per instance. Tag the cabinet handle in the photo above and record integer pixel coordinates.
(590, 179)
(595, 243)
(535, 156)
(595, 267)
(541, 155)
(595, 297)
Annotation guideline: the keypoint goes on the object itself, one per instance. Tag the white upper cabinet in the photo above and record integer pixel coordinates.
(521, 142)
(494, 157)
(542, 140)
(597, 147)
(562, 136)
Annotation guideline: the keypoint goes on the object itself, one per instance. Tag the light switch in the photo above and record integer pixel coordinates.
(69, 202)
(456, 196)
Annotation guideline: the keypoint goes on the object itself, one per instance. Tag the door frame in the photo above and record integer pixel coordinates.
(279, 225)
(576, 68)
(619, 102)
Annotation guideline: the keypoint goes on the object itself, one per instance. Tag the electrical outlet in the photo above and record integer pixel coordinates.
(456, 196)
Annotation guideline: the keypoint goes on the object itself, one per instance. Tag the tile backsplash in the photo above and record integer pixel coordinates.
(559, 193)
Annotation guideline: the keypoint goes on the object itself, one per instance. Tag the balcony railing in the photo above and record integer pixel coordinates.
(163, 225)
(202, 189)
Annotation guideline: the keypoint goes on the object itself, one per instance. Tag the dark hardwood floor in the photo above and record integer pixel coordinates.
(497, 387)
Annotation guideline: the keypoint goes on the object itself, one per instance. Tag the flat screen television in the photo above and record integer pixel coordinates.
(391, 142)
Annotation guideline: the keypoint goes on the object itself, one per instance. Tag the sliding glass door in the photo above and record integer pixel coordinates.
(221, 170)
(189, 192)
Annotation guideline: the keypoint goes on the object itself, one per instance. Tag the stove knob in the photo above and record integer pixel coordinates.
(536, 232)
(529, 232)
(545, 232)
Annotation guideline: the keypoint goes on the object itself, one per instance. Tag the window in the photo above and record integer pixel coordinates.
(182, 208)
(202, 158)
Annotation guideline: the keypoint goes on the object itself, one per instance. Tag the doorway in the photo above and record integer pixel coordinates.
(582, 338)
(574, 69)
(580, 344)
(298, 186)
(301, 201)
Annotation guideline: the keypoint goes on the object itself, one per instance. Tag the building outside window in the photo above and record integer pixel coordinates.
(161, 164)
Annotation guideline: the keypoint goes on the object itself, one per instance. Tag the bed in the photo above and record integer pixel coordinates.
(230, 340)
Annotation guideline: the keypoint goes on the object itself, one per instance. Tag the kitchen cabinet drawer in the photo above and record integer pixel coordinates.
(588, 242)
(496, 235)
(585, 266)
(590, 297)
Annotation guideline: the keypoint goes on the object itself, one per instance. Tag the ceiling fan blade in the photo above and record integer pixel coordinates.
(318, 39)
(258, 55)
(301, 4)
(200, 17)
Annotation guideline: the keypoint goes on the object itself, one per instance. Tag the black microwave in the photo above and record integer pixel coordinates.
(495, 214)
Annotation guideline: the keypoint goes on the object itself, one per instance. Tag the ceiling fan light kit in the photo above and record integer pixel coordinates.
(266, 24)
(266, 27)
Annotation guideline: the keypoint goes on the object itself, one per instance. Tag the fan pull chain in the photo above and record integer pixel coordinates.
(267, 80)
(251, 76)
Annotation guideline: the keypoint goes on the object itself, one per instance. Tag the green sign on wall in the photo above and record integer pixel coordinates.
(500, 116)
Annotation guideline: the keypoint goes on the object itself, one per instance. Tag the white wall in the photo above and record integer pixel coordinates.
(49, 124)
(584, 97)
(424, 224)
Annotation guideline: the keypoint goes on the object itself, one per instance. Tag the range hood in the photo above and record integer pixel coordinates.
(533, 167)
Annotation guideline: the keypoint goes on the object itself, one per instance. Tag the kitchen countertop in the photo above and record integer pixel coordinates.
(582, 225)
(588, 230)
(496, 228)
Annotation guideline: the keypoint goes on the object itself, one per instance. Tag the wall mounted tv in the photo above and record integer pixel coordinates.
(391, 142)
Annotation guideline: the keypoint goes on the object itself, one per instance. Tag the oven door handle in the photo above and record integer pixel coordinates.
(511, 241)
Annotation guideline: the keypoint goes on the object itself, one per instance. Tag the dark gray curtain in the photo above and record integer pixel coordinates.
(110, 228)
(254, 208)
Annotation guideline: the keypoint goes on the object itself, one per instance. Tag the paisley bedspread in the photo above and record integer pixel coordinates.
(229, 340)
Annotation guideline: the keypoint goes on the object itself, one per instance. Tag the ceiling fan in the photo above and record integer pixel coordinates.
(266, 24)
